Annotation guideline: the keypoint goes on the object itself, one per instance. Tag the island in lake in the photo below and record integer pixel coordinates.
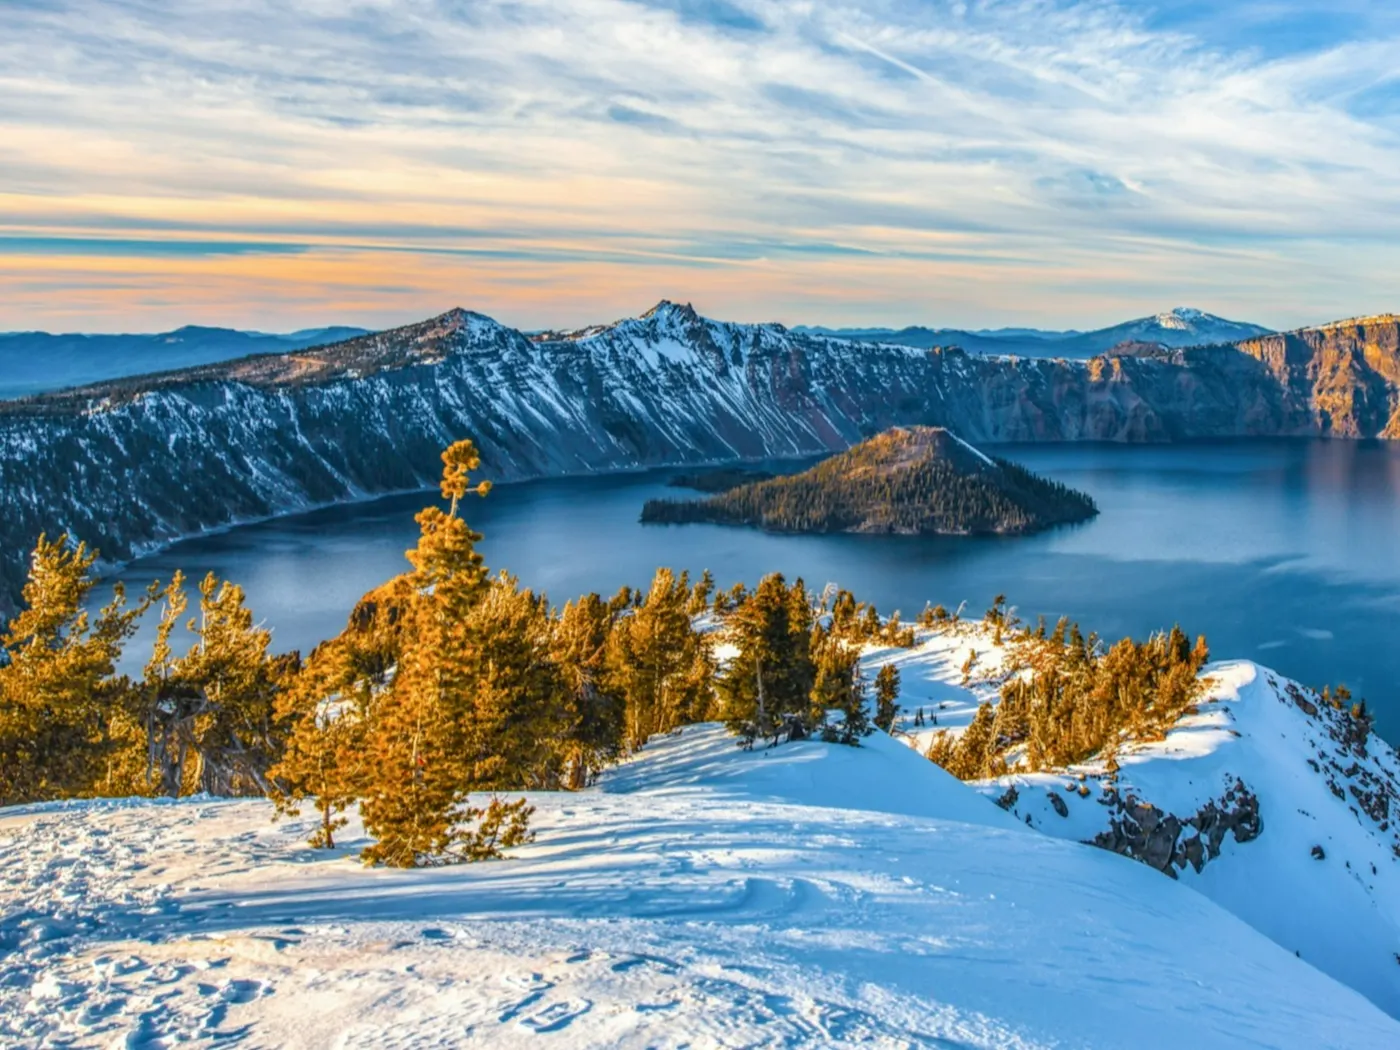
(907, 480)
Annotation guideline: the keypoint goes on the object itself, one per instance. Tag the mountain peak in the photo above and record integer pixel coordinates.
(1182, 317)
(666, 310)
(456, 317)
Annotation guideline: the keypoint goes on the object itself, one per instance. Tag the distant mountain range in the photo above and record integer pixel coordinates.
(37, 362)
(1173, 329)
(34, 362)
(133, 463)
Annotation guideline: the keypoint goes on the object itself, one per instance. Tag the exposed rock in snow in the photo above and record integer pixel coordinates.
(700, 896)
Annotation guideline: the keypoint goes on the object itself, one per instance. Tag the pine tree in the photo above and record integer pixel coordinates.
(700, 595)
(839, 687)
(323, 758)
(887, 697)
(61, 702)
(659, 662)
(976, 746)
(425, 739)
(214, 704)
(510, 717)
(767, 686)
(594, 710)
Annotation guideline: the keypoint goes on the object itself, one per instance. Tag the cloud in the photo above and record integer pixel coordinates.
(1006, 161)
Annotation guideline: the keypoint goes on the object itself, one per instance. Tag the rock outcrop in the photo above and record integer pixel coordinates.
(1140, 830)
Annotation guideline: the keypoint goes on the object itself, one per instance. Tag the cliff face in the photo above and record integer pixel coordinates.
(131, 464)
(1340, 379)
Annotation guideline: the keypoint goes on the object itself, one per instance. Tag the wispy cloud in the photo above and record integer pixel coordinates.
(271, 162)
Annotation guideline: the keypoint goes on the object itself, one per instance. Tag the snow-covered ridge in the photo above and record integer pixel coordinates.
(1267, 800)
(700, 895)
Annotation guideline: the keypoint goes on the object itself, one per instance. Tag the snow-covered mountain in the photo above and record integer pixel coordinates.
(133, 463)
(699, 896)
(1181, 327)
(1268, 800)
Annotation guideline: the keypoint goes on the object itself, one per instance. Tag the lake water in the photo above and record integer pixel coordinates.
(1283, 552)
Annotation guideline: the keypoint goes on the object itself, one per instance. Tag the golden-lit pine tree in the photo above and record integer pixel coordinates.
(61, 701)
(510, 731)
(659, 662)
(423, 743)
(215, 703)
(593, 710)
(323, 757)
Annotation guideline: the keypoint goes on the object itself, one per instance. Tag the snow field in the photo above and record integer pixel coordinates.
(700, 896)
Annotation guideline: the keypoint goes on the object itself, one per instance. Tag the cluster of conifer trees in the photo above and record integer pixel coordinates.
(202, 720)
(449, 689)
(1074, 700)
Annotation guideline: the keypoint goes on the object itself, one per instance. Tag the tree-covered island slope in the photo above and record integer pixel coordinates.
(913, 480)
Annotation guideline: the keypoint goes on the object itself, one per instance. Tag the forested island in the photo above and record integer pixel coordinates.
(907, 480)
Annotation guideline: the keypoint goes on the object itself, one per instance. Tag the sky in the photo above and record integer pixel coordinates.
(278, 164)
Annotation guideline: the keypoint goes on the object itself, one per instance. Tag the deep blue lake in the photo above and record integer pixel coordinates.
(1287, 552)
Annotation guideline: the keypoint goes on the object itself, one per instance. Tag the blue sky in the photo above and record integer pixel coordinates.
(279, 164)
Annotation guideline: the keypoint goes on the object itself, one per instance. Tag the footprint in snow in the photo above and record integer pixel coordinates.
(242, 991)
(530, 989)
(555, 1016)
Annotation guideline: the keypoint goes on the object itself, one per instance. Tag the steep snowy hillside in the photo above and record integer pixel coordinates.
(1267, 800)
(701, 896)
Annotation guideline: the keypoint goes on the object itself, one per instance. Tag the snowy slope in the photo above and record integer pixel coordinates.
(1261, 774)
(1339, 910)
(702, 897)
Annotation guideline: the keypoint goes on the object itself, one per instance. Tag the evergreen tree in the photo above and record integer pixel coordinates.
(767, 686)
(838, 686)
(594, 710)
(61, 703)
(510, 717)
(214, 704)
(887, 697)
(700, 596)
(430, 730)
(660, 663)
(323, 758)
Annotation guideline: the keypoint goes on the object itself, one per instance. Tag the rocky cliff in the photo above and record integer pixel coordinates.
(131, 464)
